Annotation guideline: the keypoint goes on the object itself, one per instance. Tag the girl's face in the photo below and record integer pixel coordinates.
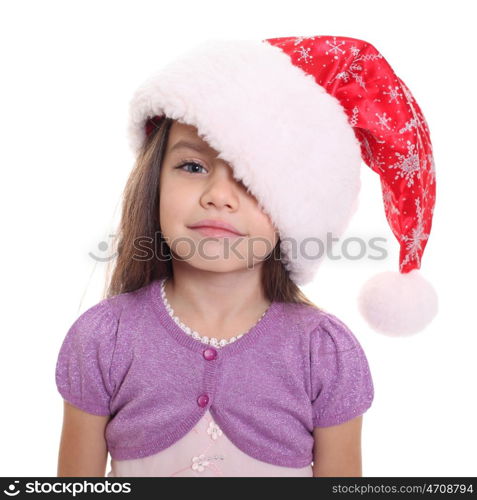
(195, 185)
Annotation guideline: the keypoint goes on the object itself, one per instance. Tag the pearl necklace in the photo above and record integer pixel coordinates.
(192, 333)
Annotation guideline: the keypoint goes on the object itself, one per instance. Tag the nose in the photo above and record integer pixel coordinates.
(222, 188)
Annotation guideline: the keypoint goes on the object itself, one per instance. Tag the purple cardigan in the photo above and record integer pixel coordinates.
(296, 369)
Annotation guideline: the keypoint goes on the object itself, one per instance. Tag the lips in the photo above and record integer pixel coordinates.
(215, 233)
(218, 227)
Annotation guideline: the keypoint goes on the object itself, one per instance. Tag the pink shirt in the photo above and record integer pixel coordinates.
(203, 452)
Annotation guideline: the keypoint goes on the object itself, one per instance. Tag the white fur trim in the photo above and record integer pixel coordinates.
(286, 138)
(398, 304)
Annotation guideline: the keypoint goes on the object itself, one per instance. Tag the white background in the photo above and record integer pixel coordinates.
(68, 72)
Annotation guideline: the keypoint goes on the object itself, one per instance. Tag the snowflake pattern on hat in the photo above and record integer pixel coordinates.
(392, 131)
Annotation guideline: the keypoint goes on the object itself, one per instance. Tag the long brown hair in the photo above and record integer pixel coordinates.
(139, 224)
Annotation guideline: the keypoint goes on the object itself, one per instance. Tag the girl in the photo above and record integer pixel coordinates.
(205, 358)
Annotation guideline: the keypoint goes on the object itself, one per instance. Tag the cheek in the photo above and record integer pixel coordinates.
(264, 236)
(264, 221)
(175, 210)
(265, 226)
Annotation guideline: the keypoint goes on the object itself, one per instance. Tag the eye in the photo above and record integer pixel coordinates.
(195, 164)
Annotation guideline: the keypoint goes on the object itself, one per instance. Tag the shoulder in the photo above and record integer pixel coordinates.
(302, 315)
(97, 323)
(325, 330)
(101, 323)
(332, 334)
(127, 303)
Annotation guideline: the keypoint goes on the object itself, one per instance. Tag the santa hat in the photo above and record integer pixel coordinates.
(295, 117)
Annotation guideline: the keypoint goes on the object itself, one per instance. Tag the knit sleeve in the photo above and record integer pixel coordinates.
(341, 383)
(83, 365)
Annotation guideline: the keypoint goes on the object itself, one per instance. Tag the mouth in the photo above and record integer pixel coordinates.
(215, 232)
(216, 227)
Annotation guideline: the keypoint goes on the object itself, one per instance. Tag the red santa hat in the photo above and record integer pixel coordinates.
(295, 117)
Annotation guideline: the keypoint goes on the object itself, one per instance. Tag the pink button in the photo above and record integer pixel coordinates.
(202, 400)
(210, 353)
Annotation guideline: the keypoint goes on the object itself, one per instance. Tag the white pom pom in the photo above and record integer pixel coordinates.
(398, 304)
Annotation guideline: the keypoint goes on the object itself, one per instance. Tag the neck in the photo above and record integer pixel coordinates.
(220, 298)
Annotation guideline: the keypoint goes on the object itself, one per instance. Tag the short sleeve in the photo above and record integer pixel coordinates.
(341, 383)
(83, 365)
